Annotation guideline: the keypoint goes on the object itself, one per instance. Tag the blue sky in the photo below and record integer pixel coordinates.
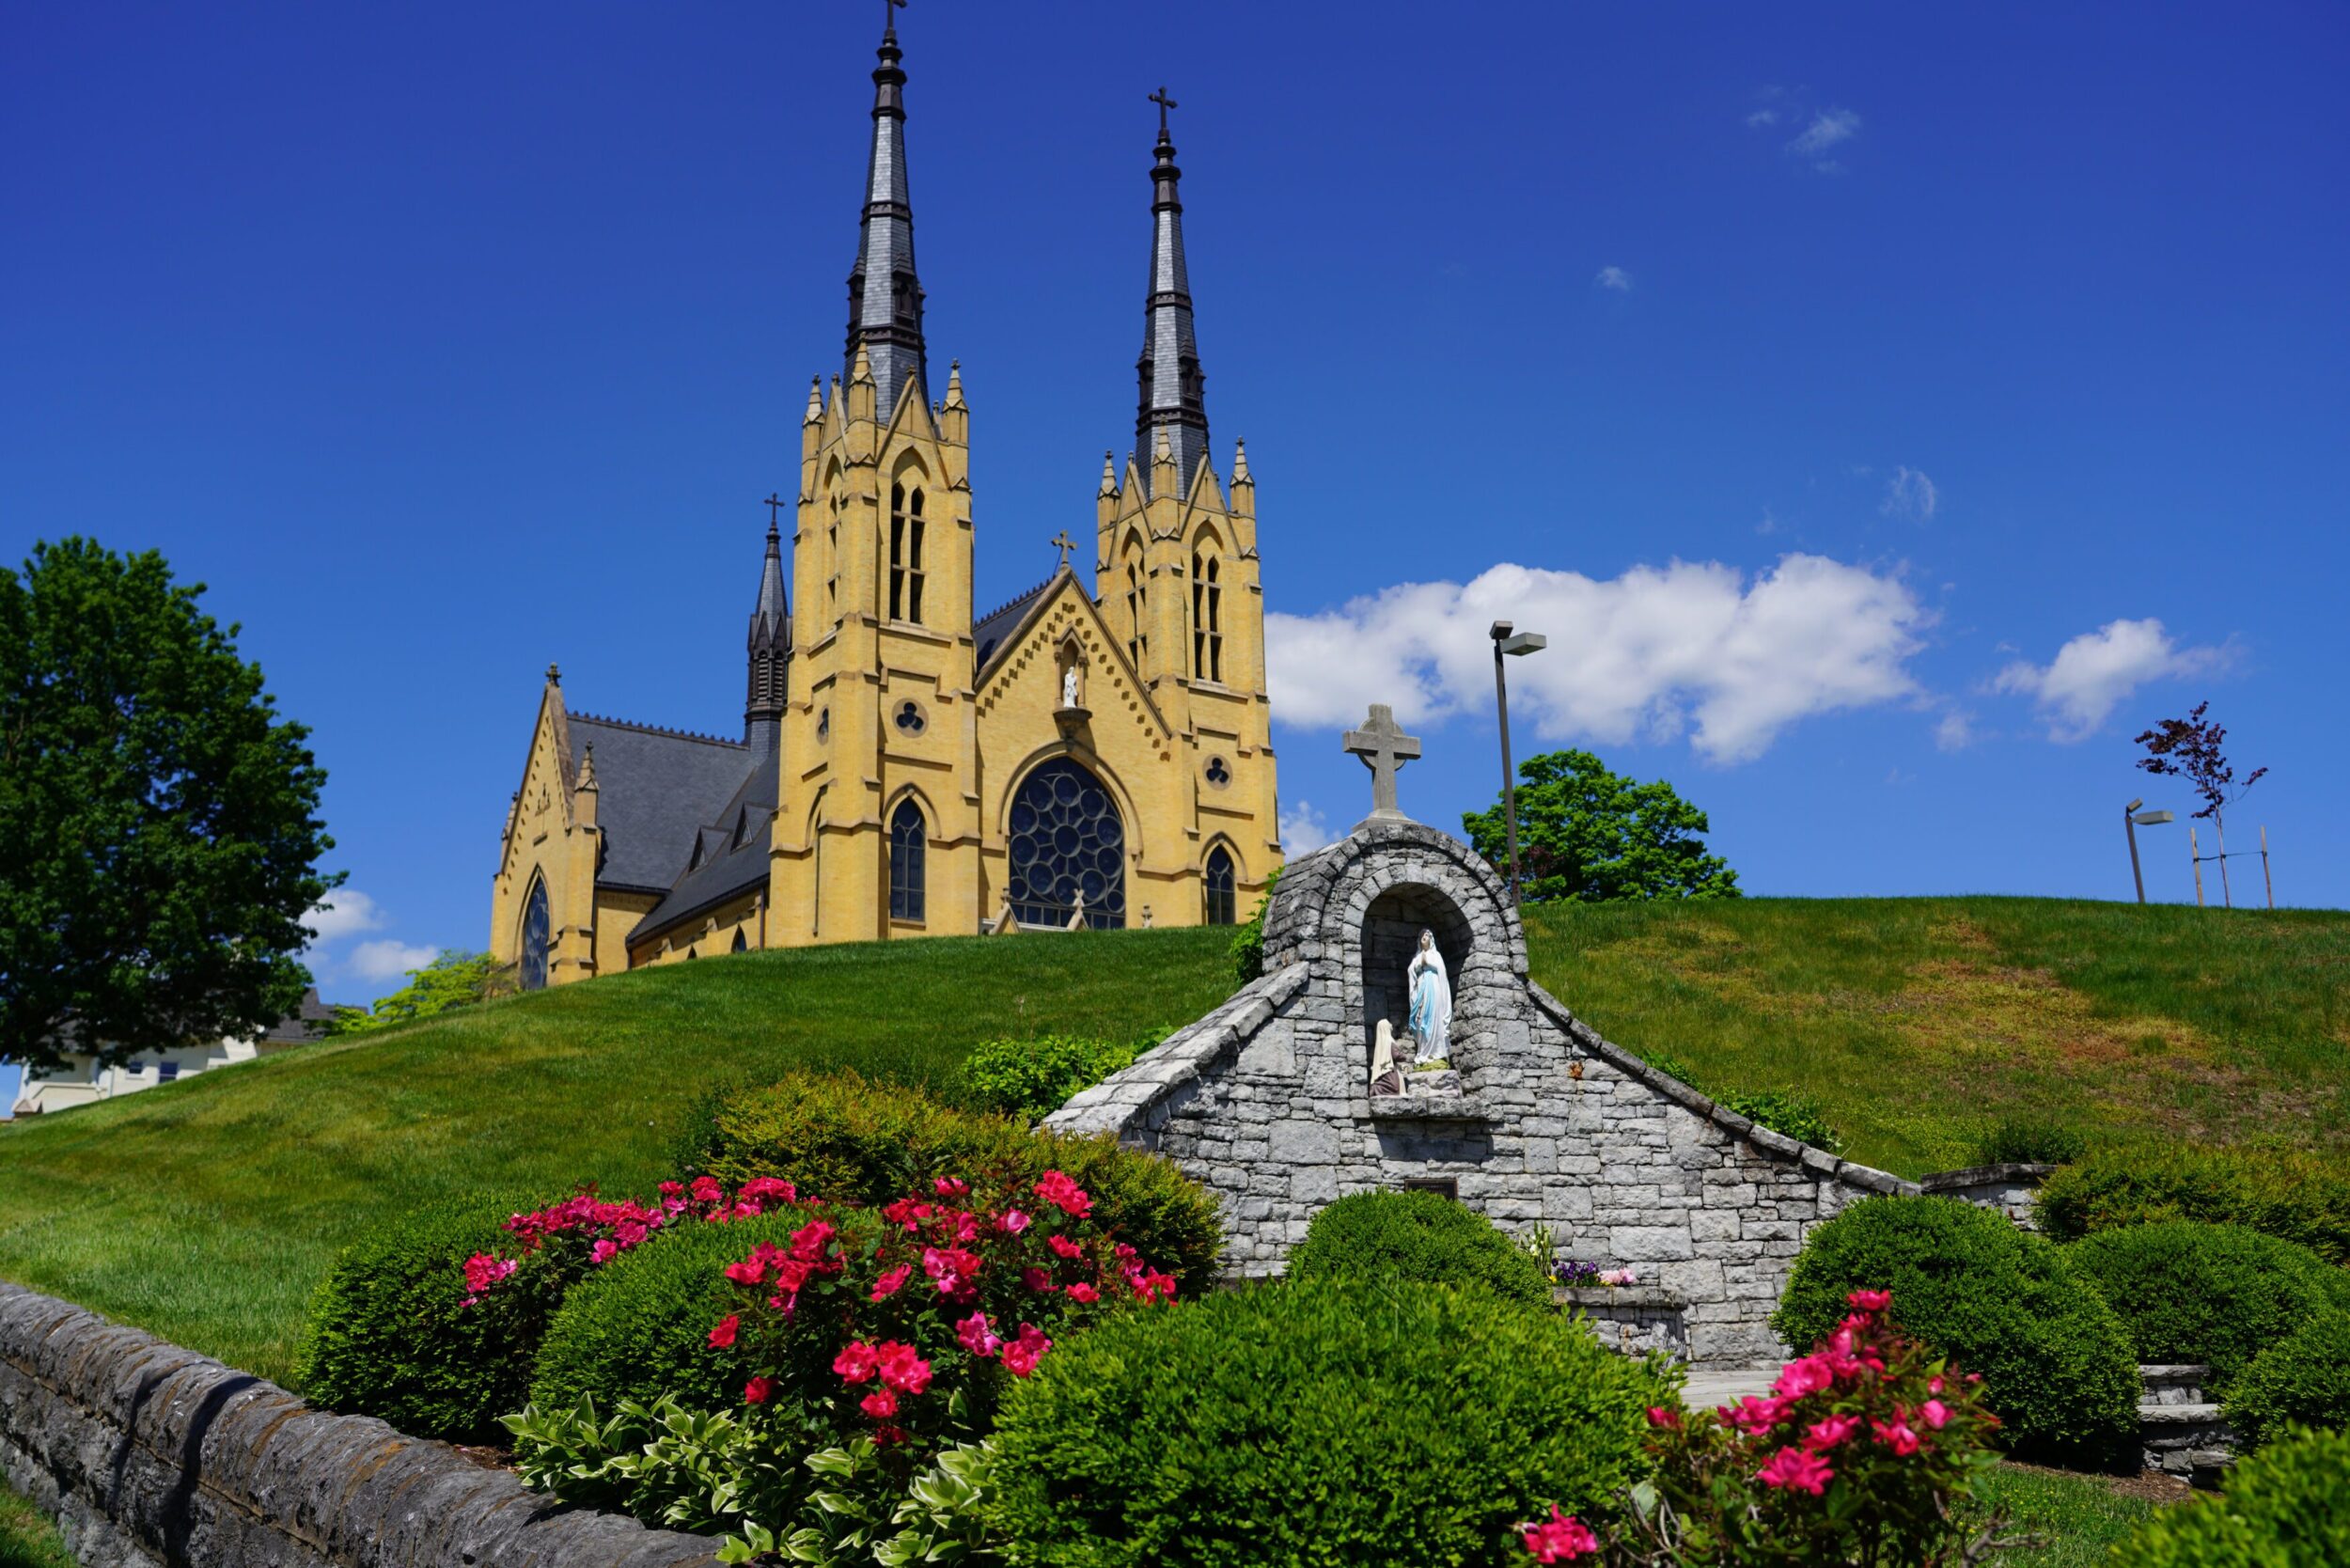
(1886, 413)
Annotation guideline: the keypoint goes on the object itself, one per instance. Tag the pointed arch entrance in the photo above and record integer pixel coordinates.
(534, 942)
(1067, 841)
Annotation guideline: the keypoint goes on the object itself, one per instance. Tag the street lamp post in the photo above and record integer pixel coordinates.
(1520, 644)
(2132, 820)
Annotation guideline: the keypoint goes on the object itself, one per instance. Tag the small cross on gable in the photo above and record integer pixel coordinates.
(1066, 544)
(1384, 747)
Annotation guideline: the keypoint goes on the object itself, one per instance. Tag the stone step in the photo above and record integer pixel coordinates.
(2178, 1415)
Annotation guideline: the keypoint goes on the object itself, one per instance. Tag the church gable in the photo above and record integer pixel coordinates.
(542, 805)
(1063, 632)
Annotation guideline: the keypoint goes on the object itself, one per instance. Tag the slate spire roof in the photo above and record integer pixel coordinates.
(1174, 391)
(885, 295)
(770, 649)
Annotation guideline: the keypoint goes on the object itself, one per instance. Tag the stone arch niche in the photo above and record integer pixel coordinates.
(1389, 938)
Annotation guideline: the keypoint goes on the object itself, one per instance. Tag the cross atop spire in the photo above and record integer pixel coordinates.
(1173, 400)
(1384, 747)
(884, 294)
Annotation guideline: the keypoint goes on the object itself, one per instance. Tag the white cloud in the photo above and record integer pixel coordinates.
(1956, 730)
(1910, 494)
(344, 912)
(1764, 117)
(1616, 278)
(388, 960)
(2096, 672)
(1828, 127)
(1303, 830)
(1650, 655)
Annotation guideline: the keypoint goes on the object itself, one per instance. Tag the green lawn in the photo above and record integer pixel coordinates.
(28, 1538)
(2074, 1520)
(1919, 1021)
(207, 1209)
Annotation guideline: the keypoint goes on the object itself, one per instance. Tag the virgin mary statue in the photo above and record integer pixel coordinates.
(1432, 1002)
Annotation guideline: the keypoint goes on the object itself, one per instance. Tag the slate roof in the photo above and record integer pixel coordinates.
(306, 1022)
(998, 624)
(733, 846)
(655, 787)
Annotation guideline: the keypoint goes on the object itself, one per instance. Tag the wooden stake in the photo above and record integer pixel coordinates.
(2265, 876)
(2196, 855)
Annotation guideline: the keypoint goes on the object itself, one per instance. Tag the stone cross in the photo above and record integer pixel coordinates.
(1165, 103)
(1066, 544)
(1384, 747)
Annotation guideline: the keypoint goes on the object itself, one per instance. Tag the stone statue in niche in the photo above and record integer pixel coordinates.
(1386, 1078)
(1431, 1004)
(1069, 688)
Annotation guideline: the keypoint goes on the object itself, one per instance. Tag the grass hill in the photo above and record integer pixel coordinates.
(207, 1209)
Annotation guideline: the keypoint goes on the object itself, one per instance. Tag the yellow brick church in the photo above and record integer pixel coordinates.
(1096, 753)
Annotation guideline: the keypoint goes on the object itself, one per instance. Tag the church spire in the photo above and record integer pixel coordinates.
(1174, 403)
(770, 647)
(885, 296)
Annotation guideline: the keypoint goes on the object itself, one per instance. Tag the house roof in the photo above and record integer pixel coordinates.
(655, 787)
(725, 855)
(306, 1022)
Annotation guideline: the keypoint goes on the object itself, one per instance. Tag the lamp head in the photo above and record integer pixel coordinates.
(2134, 805)
(1500, 629)
(2152, 819)
(1526, 642)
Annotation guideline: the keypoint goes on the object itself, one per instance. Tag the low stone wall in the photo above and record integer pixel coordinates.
(151, 1456)
(1634, 1319)
(2008, 1188)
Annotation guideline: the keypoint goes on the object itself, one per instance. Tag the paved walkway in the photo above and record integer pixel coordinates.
(1711, 1386)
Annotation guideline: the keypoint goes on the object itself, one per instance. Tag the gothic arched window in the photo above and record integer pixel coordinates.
(905, 554)
(1207, 619)
(1067, 842)
(908, 848)
(1137, 608)
(1220, 899)
(534, 955)
(741, 942)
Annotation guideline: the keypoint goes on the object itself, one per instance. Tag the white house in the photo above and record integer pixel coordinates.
(81, 1080)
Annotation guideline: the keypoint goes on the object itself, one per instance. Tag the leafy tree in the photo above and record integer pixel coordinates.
(452, 980)
(159, 827)
(2194, 748)
(1587, 835)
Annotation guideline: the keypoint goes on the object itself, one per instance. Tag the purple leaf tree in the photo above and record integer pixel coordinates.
(2194, 748)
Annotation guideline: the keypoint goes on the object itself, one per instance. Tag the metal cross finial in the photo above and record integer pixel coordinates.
(1066, 544)
(1384, 747)
(889, 14)
(1158, 98)
(774, 502)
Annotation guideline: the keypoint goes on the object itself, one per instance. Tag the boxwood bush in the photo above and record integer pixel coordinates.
(2055, 1360)
(2215, 1294)
(2295, 1195)
(1325, 1423)
(1424, 1237)
(847, 1140)
(2303, 1379)
(639, 1326)
(1032, 1079)
(389, 1334)
(2284, 1506)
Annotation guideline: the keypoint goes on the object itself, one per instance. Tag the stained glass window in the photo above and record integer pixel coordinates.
(1220, 911)
(534, 965)
(908, 849)
(1067, 841)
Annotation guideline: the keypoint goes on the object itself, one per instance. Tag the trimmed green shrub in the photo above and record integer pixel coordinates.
(2294, 1195)
(1785, 1111)
(2302, 1380)
(1032, 1079)
(1248, 949)
(390, 1335)
(1340, 1422)
(843, 1138)
(1423, 1238)
(2285, 1507)
(2056, 1362)
(639, 1326)
(2028, 1140)
(2215, 1294)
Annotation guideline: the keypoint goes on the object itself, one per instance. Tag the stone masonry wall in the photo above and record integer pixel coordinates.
(151, 1456)
(1265, 1101)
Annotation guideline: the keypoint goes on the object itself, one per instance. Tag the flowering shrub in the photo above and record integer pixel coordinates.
(1857, 1455)
(583, 1231)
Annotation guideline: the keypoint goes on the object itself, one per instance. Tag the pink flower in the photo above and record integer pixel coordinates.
(1935, 1413)
(1065, 1247)
(809, 1240)
(757, 1390)
(1150, 1285)
(1897, 1435)
(856, 1362)
(880, 1404)
(603, 1252)
(630, 1233)
(951, 1186)
(1082, 1292)
(887, 1285)
(485, 1269)
(1626, 1276)
(904, 1369)
(1663, 1417)
(1036, 1280)
(1826, 1433)
(750, 1271)
(1022, 1354)
(1012, 1222)
(723, 1336)
(1934, 1384)
(1797, 1471)
(1755, 1416)
(976, 1336)
(1870, 1301)
(766, 1189)
(951, 1266)
(1056, 1188)
(1808, 1375)
(1561, 1537)
(707, 1190)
